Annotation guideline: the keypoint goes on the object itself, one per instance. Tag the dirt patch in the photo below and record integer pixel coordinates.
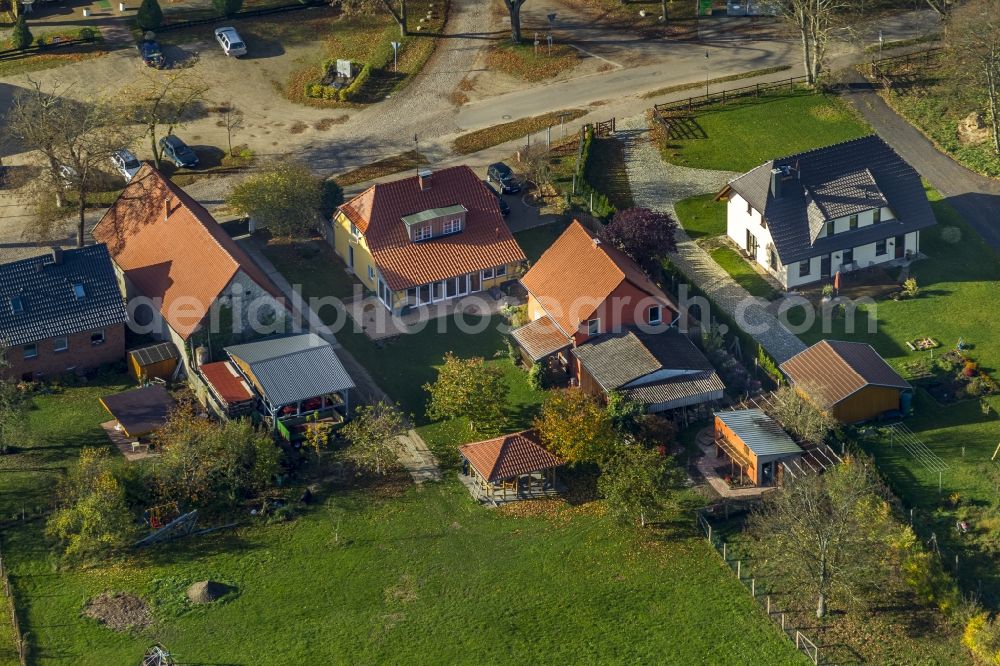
(207, 591)
(298, 127)
(119, 611)
(326, 123)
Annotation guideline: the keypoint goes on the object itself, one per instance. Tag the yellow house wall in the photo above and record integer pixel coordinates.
(362, 255)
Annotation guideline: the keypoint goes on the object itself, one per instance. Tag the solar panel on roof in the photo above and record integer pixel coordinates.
(154, 354)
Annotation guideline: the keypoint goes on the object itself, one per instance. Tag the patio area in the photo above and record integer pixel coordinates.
(379, 324)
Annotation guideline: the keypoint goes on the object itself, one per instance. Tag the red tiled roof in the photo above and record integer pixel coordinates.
(486, 242)
(578, 269)
(509, 456)
(227, 382)
(182, 256)
(831, 370)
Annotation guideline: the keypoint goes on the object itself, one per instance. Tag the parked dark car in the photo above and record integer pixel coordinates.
(151, 54)
(178, 152)
(504, 208)
(502, 175)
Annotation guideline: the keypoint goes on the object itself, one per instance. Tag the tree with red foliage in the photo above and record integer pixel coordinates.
(643, 234)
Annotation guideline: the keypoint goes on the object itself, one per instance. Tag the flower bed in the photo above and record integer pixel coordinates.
(952, 377)
(922, 344)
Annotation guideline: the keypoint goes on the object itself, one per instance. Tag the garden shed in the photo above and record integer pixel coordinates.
(296, 380)
(157, 361)
(229, 395)
(849, 380)
(136, 414)
(755, 444)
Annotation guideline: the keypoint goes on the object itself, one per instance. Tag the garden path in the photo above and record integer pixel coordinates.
(658, 186)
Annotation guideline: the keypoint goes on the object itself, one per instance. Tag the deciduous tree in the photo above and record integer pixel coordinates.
(625, 414)
(638, 484)
(149, 16)
(469, 388)
(399, 15)
(825, 536)
(814, 21)
(801, 417)
(92, 517)
(20, 37)
(13, 415)
(575, 426)
(972, 48)
(227, 8)
(645, 235)
(283, 197)
(514, 10)
(232, 120)
(160, 101)
(374, 436)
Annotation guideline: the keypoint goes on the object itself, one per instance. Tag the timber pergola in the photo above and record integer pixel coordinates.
(511, 467)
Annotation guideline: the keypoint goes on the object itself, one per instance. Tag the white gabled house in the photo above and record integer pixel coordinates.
(841, 208)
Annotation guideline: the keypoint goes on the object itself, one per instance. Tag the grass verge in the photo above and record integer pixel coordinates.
(606, 172)
(742, 134)
(522, 62)
(411, 159)
(702, 216)
(742, 272)
(53, 56)
(722, 79)
(472, 142)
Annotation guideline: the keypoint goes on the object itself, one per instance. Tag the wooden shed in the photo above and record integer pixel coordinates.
(848, 380)
(155, 361)
(755, 444)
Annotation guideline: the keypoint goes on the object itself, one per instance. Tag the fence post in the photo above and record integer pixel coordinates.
(709, 524)
(782, 621)
(738, 567)
(753, 588)
(724, 552)
(769, 605)
(723, 95)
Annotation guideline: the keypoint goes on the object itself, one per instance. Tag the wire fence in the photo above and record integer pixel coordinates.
(760, 593)
(19, 641)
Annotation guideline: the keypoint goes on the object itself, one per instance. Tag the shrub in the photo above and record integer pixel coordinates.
(827, 291)
(951, 235)
(227, 7)
(969, 369)
(149, 16)
(536, 376)
(910, 288)
(332, 195)
(351, 92)
(21, 37)
(512, 353)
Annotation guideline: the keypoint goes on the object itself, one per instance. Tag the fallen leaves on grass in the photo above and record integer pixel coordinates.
(411, 159)
(488, 137)
(530, 64)
(326, 123)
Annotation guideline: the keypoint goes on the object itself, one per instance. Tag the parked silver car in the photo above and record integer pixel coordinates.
(230, 42)
(125, 163)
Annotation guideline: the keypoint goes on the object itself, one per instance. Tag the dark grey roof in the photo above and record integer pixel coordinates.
(541, 338)
(679, 391)
(293, 368)
(49, 306)
(835, 181)
(759, 432)
(616, 359)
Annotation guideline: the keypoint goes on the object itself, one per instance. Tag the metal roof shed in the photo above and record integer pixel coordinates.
(756, 443)
(295, 377)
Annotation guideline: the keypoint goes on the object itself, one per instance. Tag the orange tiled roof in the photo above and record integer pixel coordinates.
(832, 370)
(229, 385)
(486, 242)
(509, 456)
(577, 269)
(178, 254)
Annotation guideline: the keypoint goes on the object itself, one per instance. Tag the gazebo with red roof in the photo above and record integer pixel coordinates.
(509, 468)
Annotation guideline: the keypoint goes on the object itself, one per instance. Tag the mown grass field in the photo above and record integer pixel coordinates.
(741, 271)
(702, 216)
(741, 135)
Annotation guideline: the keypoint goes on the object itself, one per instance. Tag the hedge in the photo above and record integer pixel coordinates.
(602, 207)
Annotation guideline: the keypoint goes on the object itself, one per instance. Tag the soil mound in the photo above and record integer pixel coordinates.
(119, 611)
(206, 591)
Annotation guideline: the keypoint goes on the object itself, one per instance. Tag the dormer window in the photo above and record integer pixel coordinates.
(594, 327)
(423, 233)
(78, 291)
(16, 304)
(452, 226)
(435, 222)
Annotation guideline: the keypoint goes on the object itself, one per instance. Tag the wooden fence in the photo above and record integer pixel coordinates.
(688, 105)
(779, 617)
(884, 70)
(51, 47)
(250, 13)
(18, 637)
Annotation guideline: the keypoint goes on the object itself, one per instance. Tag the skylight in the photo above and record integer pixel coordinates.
(16, 304)
(78, 291)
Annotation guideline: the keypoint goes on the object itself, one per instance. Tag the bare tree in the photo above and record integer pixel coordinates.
(814, 20)
(972, 45)
(161, 101)
(74, 138)
(826, 535)
(232, 120)
(398, 14)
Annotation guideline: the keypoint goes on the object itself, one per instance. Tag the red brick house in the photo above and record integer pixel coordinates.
(594, 311)
(61, 312)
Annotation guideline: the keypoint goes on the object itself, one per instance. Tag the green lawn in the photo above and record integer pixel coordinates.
(702, 216)
(741, 135)
(314, 264)
(741, 271)
(606, 172)
(535, 241)
(370, 579)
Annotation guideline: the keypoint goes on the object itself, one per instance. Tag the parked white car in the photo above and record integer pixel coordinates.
(125, 163)
(230, 42)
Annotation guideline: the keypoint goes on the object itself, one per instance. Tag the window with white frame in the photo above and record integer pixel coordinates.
(880, 248)
(594, 327)
(453, 226)
(804, 268)
(423, 232)
(371, 272)
(655, 314)
(501, 271)
(488, 274)
(60, 344)
(31, 351)
(354, 230)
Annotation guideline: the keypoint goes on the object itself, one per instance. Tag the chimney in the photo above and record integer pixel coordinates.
(776, 175)
(597, 241)
(57, 255)
(166, 208)
(424, 177)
